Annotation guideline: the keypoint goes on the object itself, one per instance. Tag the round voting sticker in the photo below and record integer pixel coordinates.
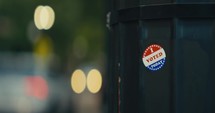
(154, 57)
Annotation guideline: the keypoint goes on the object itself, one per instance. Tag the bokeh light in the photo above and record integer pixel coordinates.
(44, 17)
(43, 46)
(94, 81)
(78, 81)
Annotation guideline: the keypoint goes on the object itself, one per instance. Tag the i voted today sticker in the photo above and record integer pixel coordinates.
(154, 57)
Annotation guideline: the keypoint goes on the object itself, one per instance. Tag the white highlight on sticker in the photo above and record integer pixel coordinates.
(154, 57)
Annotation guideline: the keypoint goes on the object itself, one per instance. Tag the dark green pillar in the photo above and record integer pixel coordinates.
(185, 30)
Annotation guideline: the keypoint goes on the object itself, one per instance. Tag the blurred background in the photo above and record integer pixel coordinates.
(52, 56)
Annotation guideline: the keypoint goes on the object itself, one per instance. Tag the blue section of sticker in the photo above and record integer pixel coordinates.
(157, 65)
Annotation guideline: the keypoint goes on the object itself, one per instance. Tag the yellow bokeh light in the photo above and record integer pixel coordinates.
(44, 17)
(94, 81)
(43, 46)
(51, 17)
(78, 81)
(37, 17)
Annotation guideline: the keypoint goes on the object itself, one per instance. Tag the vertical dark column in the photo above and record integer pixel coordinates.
(157, 85)
(129, 67)
(212, 77)
(194, 67)
(193, 51)
(113, 71)
(113, 61)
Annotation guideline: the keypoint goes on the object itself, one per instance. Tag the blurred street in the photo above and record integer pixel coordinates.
(52, 56)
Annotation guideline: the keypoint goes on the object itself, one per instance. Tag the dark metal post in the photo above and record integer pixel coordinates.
(183, 81)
